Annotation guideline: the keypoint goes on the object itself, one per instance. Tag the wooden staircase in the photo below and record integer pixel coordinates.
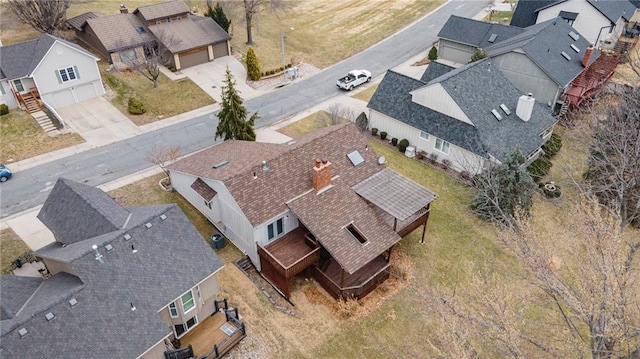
(31, 103)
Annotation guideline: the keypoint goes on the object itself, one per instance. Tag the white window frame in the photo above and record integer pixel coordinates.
(275, 232)
(444, 145)
(64, 72)
(208, 204)
(425, 137)
(18, 82)
(128, 56)
(185, 327)
(173, 307)
(182, 302)
(2, 89)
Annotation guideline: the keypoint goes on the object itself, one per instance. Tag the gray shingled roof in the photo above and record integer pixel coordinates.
(186, 34)
(75, 212)
(526, 12)
(162, 10)
(614, 9)
(434, 70)
(120, 31)
(327, 214)
(16, 291)
(79, 21)
(395, 194)
(171, 258)
(544, 43)
(474, 32)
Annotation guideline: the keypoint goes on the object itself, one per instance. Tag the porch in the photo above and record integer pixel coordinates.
(339, 283)
(216, 335)
(288, 256)
(30, 99)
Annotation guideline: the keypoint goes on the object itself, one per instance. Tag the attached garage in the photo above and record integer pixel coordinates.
(194, 57)
(220, 50)
(62, 98)
(85, 92)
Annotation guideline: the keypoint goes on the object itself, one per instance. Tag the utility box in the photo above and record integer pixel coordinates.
(217, 241)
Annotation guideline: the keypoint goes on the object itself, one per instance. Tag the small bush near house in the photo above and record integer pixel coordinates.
(433, 157)
(136, 107)
(421, 155)
(374, 131)
(394, 141)
(383, 135)
(539, 168)
(433, 53)
(552, 146)
(347, 307)
(403, 144)
(4, 109)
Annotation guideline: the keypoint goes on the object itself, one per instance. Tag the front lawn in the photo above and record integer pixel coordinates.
(170, 98)
(11, 247)
(23, 138)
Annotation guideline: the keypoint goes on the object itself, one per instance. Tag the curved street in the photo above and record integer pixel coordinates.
(110, 162)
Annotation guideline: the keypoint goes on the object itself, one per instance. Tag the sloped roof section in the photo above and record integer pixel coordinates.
(395, 194)
(75, 212)
(120, 31)
(162, 10)
(186, 34)
(526, 12)
(434, 70)
(16, 291)
(614, 10)
(79, 21)
(207, 193)
(476, 33)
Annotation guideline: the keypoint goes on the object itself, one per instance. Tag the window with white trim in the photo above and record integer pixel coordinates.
(275, 229)
(187, 301)
(67, 74)
(442, 145)
(424, 136)
(19, 85)
(2, 89)
(173, 310)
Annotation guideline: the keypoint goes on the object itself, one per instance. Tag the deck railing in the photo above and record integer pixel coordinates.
(358, 291)
(223, 347)
(297, 267)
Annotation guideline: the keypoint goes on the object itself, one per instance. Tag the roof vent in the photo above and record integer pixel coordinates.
(291, 142)
(565, 55)
(49, 316)
(505, 109)
(73, 301)
(255, 175)
(574, 36)
(492, 38)
(496, 115)
(264, 166)
(163, 217)
(220, 164)
(127, 236)
(355, 157)
(108, 247)
(148, 225)
(133, 249)
(575, 48)
(22, 332)
(133, 307)
(95, 248)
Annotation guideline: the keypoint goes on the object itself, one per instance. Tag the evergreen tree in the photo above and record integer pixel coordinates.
(254, 70)
(233, 123)
(478, 55)
(218, 15)
(433, 53)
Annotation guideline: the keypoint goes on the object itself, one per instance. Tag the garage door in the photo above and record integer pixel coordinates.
(85, 92)
(220, 50)
(194, 57)
(63, 98)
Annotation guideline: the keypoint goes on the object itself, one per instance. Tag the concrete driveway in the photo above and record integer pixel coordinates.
(210, 77)
(98, 122)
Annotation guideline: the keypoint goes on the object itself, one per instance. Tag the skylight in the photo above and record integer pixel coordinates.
(565, 55)
(575, 48)
(505, 109)
(355, 157)
(140, 30)
(574, 36)
(354, 232)
(492, 38)
(496, 115)
(220, 164)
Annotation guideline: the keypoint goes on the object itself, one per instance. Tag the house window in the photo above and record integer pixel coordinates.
(19, 86)
(2, 89)
(67, 74)
(424, 135)
(275, 229)
(187, 301)
(442, 146)
(208, 204)
(173, 310)
(180, 329)
(128, 55)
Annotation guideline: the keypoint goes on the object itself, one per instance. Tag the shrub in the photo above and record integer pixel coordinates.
(478, 55)
(4, 109)
(539, 168)
(421, 155)
(347, 307)
(465, 175)
(446, 163)
(550, 190)
(253, 65)
(403, 144)
(383, 135)
(394, 141)
(374, 131)
(433, 53)
(433, 157)
(552, 146)
(136, 107)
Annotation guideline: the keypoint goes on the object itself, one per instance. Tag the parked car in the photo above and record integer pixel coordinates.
(354, 78)
(5, 173)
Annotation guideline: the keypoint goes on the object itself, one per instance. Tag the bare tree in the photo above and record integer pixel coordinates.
(45, 16)
(161, 156)
(254, 7)
(157, 54)
(339, 114)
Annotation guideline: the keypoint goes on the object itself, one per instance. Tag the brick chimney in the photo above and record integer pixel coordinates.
(123, 9)
(321, 174)
(587, 56)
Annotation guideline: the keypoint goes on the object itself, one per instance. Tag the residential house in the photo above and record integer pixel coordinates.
(119, 282)
(541, 59)
(324, 204)
(47, 70)
(163, 28)
(601, 22)
(468, 118)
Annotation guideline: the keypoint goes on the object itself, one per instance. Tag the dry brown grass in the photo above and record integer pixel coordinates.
(11, 246)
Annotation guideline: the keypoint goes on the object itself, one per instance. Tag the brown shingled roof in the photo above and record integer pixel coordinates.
(162, 10)
(79, 21)
(118, 31)
(186, 34)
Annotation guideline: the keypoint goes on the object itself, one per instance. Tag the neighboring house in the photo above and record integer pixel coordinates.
(47, 69)
(541, 59)
(166, 28)
(601, 22)
(119, 282)
(469, 118)
(323, 204)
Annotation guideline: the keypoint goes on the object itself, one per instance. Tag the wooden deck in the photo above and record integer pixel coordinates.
(206, 334)
(358, 278)
(290, 248)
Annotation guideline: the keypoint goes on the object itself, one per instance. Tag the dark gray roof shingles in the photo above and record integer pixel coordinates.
(614, 9)
(434, 70)
(526, 12)
(474, 32)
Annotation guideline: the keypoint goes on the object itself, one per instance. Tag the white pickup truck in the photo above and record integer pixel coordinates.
(354, 78)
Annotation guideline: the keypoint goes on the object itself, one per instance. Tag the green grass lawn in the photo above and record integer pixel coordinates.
(22, 138)
(11, 246)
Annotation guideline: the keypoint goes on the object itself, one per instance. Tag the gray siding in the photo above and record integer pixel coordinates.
(454, 51)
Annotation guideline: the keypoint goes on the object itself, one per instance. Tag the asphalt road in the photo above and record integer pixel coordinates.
(30, 188)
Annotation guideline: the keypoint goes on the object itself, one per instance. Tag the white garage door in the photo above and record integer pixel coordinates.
(85, 92)
(62, 98)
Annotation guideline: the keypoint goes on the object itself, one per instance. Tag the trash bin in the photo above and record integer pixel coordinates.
(217, 241)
